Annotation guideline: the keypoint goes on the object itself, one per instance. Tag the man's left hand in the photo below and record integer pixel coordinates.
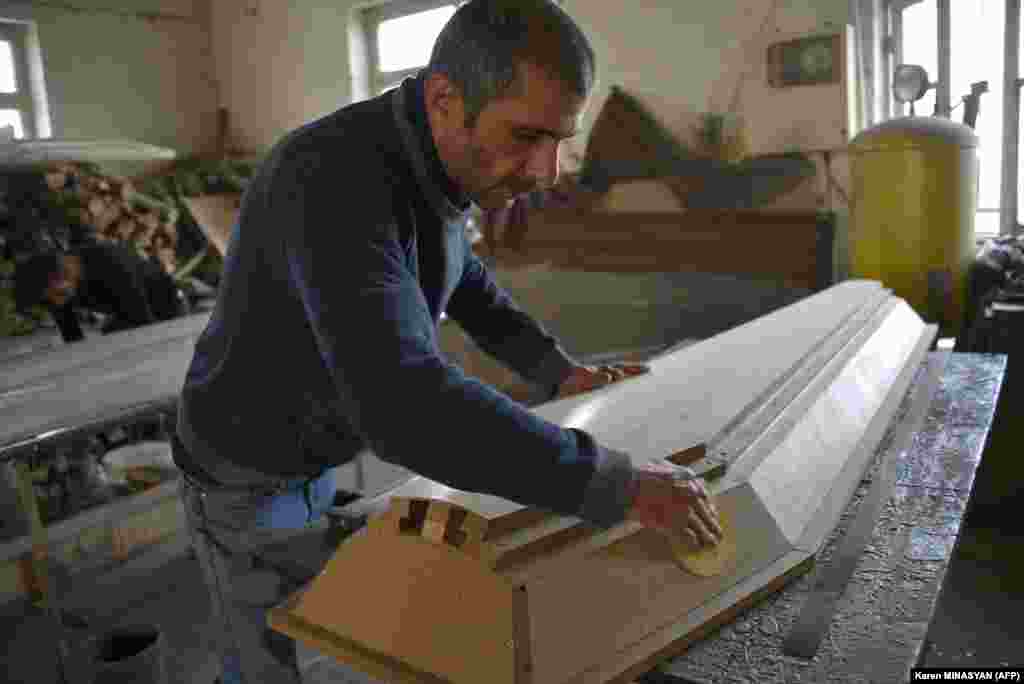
(587, 378)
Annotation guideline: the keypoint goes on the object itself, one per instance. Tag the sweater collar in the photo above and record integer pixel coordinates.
(414, 126)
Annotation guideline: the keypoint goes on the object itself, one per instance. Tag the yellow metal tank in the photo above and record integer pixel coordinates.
(915, 191)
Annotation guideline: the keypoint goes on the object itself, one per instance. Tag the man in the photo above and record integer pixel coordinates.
(323, 342)
(106, 277)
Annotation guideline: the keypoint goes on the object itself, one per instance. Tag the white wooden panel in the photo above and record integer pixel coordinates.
(691, 395)
(53, 362)
(138, 376)
(794, 479)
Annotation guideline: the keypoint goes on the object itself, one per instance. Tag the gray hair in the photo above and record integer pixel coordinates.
(482, 46)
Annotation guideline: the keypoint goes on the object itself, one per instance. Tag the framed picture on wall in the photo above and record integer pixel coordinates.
(806, 61)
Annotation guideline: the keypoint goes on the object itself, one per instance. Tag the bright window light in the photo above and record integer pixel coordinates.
(986, 223)
(1020, 158)
(405, 42)
(973, 60)
(12, 117)
(7, 82)
(921, 46)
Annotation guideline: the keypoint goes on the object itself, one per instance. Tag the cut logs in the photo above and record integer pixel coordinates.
(116, 212)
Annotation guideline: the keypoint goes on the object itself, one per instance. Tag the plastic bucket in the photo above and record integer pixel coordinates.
(129, 655)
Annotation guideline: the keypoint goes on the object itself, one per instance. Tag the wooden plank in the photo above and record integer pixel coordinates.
(57, 361)
(584, 611)
(599, 259)
(687, 457)
(604, 258)
(388, 593)
(502, 543)
(491, 508)
(781, 244)
(523, 638)
(216, 216)
(284, 619)
(522, 547)
(673, 639)
(137, 377)
(674, 233)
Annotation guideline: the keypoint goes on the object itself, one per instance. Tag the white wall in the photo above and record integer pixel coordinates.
(166, 8)
(685, 58)
(112, 73)
(282, 64)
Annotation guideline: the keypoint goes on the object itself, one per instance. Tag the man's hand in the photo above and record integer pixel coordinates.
(586, 378)
(670, 499)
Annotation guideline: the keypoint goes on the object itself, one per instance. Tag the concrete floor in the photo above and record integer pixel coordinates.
(172, 598)
(977, 622)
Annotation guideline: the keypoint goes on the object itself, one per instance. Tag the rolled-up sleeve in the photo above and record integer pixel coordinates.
(377, 340)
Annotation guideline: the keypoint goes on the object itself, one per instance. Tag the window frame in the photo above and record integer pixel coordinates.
(24, 99)
(370, 17)
(1010, 104)
(894, 54)
(374, 16)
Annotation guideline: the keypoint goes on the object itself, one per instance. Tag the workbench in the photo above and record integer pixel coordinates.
(880, 624)
(54, 397)
(881, 621)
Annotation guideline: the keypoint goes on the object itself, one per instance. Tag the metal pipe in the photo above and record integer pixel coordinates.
(1011, 120)
(885, 65)
(896, 17)
(942, 100)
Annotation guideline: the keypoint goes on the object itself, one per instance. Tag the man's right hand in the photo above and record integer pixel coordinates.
(670, 499)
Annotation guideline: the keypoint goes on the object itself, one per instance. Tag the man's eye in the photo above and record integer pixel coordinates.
(528, 137)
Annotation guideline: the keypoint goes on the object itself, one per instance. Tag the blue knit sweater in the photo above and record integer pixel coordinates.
(324, 341)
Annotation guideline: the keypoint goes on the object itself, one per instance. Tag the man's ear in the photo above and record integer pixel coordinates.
(442, 98)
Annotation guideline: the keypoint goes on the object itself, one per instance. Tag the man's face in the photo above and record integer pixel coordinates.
(513, 147)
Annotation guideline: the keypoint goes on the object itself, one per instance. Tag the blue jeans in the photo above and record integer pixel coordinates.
(228, 527)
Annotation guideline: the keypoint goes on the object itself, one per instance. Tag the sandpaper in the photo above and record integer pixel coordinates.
(706, 561)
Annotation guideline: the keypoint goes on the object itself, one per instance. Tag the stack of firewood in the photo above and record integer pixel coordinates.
(116, 212)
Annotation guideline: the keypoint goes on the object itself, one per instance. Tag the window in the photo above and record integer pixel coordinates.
(1020, 134)
(973, 60)
(918, 39)
(919, 44)
(399, 38)
(17, 99)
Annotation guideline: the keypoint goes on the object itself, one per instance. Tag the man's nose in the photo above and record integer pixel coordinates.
(544, 164)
